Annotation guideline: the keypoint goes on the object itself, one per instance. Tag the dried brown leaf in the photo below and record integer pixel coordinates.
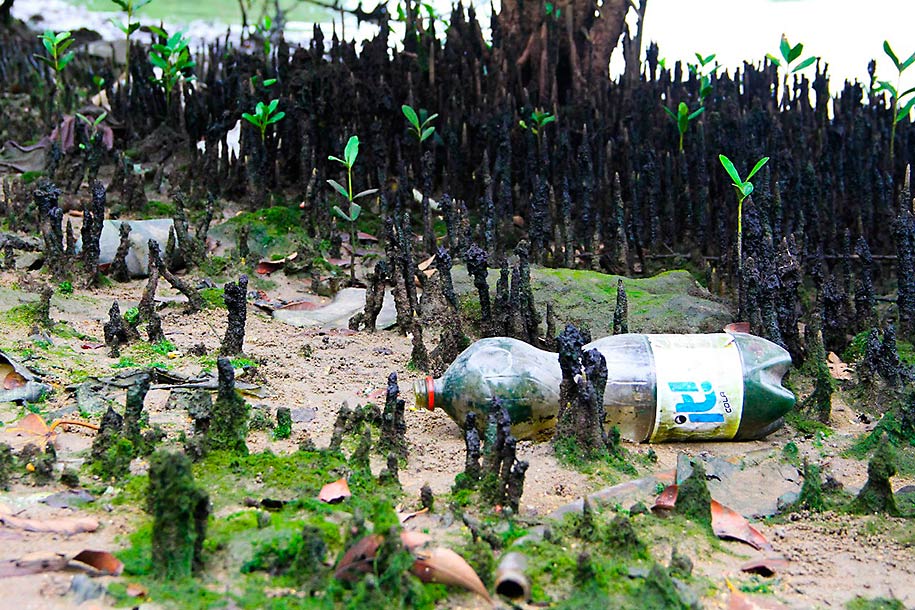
(13, 380)
(335, 492)
(765, 566)
(728, 523)
(667, 500)
(103, 561)
(446, 567)
(359, 558)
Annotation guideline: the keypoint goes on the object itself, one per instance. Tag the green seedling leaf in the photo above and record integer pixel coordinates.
(428, 131)
(269, 82)
(66, 59)
(340, 213)
(337, 159)
(774, 59)
(430, 119)
(803, 64)
(696, 113)
(903, 112)
(731, 170)
(272, 106)
(670, 113)
(746, 189)
(250, 118)
(549, 119)
(339, 188)
(757, 167)
(522, 124)
(158, 31)
(365, 193)
(354, 210)
(785, 49)
(886, 86)
(410, 114)
(83, 118)
(276, 117)
(889, 51)
(795, 52)
(907, 62)
(351, 151)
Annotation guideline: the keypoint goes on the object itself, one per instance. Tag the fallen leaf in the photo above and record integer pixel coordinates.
(362, 236)
(667, 500)
(13, 380)
(68, 526)
(358, 559)
(729, 524)
(135, 590)
(837, 369)
(268, 267)
(737, 327)
(335, 492)
(299, 306)
(765, 566)
(446, 567)
(412, 539)
(103, 561)
(404, 517)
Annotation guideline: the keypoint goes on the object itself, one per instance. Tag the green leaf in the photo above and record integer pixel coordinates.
(122, 4)
(908, 62)
(795, 52)
(119, 25)
(354, 211)
(682, 123)
(365, 193)
(61, 37)
(276, 117)
(785, 49)
(158, 31)
(549, 119)
(903, 112)
(428, 131)
(351, 151)
(708, 59)
(746, 189)
(757, 167)
(83, 118)
(340, 213)
(269, 82)
(730, 169)
(410, 114)
(337, 159)
(272, 107)
(100, 118)
(339, 188)
(670, 113)
(773, 59)
(697, 113)
(133, 27)
(250, 118)
(140, 4)
(889, 51)
(682, 109)
(886, 86)
(430, 119)
(158, 61)
(48, 45)
(64, 46)
(522, 124)
(906, 92)
(62, 63)
(803, 64)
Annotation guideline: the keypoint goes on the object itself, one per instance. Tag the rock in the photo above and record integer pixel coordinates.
(670, 302)
(141, 231)
(84, 588)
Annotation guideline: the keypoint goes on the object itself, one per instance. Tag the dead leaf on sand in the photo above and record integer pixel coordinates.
(102, 562)
(728, 523)
(446, 567)
(765, 566)
(335, 492)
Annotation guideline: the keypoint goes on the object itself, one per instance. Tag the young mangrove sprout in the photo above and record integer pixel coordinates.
(173, 58)
(744, 189)
(704, 70)
(420, 125)
(682, 118)
(790, 55)
(264, 116)
(57, 57)
(895, 95)
(352, 214)
(539, 120)
(129, 27)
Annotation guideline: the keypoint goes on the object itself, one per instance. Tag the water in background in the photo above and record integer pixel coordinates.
(844, 33)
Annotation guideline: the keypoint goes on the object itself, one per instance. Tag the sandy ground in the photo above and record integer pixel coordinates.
(832, 558)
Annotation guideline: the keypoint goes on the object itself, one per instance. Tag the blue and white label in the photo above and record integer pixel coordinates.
(699, 387)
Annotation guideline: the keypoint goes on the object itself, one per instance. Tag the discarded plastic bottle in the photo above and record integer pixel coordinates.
(723, 386)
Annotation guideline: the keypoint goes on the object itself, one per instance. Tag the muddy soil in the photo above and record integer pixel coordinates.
(832, 557)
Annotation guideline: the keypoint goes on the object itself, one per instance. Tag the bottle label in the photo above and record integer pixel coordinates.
(699, 387)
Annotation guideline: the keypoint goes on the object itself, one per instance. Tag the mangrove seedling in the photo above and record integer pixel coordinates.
(56, 46)
(263, 30)
(539, 120)
(352, 214)
(704, 70)
(173, 58)
(682, 118)
(57, 58)
(264, 116)
(895, 95)
(744, 189)
(420, 125)
(129, 27)
(92, 125)
(790, 55)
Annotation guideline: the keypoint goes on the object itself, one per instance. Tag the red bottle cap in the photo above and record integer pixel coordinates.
(430, 393)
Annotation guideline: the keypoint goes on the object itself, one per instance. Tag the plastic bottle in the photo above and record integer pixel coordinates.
(723, 386)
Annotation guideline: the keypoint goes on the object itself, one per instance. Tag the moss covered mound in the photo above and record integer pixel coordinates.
(670, 302)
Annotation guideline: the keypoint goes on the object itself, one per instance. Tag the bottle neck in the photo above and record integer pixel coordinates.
(427, 391)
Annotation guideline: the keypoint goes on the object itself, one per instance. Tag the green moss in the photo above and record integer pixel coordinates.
(213, 297)
(606, 466)
(179, 510)
(283, 423)
(7, 465)
(878, 603)
(877, 494)
(693, 498)
(21, 315)
(113, 461)
(805, 425)
(811, 496)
